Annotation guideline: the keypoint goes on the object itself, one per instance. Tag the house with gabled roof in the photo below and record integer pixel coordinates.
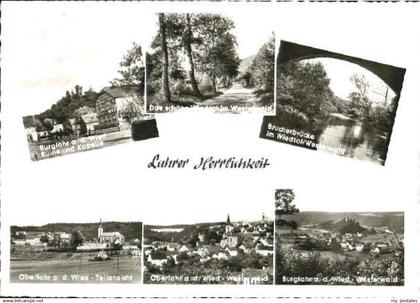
(91, 121)
(114, 104)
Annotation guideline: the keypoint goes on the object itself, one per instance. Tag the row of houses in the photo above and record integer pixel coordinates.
(41, 238)
(346, 242)
(115, 110)
(259, 240)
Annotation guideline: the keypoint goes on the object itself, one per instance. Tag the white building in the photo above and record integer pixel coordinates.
(91, 246)
(156, 262)
(57, 128)
(113, 237)
(90, 120)
(31, 134)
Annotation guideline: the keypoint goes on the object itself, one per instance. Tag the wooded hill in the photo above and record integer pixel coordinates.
(334, 221)
(64, 109)
(130, 230)
(190, 231)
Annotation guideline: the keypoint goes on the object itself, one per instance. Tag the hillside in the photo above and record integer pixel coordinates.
(64, 108)
(331, 220)
(130, 230)
(189, 231)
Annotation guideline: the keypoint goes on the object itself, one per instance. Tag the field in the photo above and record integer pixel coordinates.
(75, 268)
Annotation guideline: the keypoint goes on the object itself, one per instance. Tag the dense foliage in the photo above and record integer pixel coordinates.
(63, 109)
(194, 58)
(290, 263)
(260, 73)
(131, 70)
(305, 99)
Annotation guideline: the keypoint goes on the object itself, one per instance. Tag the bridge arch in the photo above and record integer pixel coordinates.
(391, 75)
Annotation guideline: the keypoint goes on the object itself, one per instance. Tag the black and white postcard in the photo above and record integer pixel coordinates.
(226, 252)
(333, 102)
(337, 248)
(191, 211)
(102, 252)
(210, 61)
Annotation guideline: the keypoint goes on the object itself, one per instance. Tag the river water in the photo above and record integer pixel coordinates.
(351, 137)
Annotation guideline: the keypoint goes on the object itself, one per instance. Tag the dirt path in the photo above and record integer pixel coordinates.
(235, 95)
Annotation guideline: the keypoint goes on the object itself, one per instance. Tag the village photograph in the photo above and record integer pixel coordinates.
(210, 61)
(337, 248)
(85, 119)
(225, 252)
(102, 252)
(334, 103)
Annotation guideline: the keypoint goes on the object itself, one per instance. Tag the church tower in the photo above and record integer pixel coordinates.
(229, 226)
(100, 231)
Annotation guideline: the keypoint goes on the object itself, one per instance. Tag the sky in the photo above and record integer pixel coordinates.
(250, 37)
(54, 48)
(340, 72)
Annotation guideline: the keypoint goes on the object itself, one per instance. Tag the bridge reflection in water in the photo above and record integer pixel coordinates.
(354, 139)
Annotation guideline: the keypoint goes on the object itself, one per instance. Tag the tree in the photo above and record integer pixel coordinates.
(131, 70)
(217, 49)
(48, 124)
(31, 121)
(213, 236)
(304, 86)
(131, 110)
(44, 239)
(360, 98)
(247, 241)
(83, 111)
(293, 224)
(164, 47)
(187, 39)
(262, 66)
(77, 239)
(334, 245)
(193, 240)
(284, 199)
(284, 202)
(181, 35)
(204, 42)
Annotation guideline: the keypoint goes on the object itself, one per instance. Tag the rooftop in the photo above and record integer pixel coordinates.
(120, 91)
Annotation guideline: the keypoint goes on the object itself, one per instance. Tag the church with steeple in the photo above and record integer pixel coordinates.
(229, 240)
(114, 237)
(228, 226)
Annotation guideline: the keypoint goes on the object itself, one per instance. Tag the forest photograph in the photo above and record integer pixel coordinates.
(339, 104)
(202, 60)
